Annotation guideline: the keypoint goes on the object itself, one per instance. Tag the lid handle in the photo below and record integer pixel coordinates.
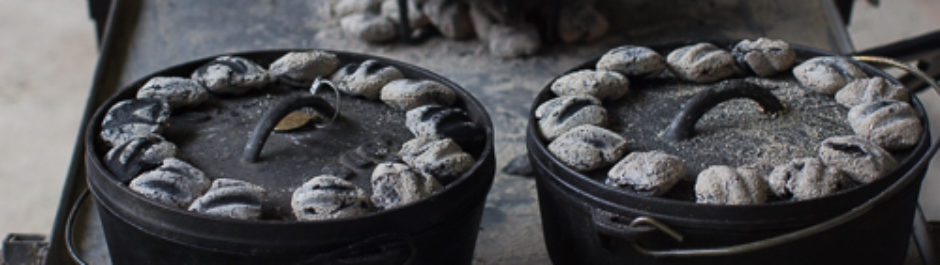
(683, 125)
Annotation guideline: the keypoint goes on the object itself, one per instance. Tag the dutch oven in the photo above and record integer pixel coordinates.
(438, 229)
(588, 222)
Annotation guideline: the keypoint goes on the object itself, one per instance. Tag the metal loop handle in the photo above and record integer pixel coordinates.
(683, 125)
(70, 229)
(261, 132)
(315, 88)
(850, 215)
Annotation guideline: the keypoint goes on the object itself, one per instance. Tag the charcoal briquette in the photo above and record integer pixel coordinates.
(862, 160)
(437, 121)
(369, 27)
(177, 91)
(132, 118)
(440, 158)
(563, 113)
(601, 84)
(804, 179)
(631, 60)
(406, 94)
(726, 185)
(365, 79)
(231, 198)
(701, 63)
(588, 147)
(866, 90)
(328, 197)
(893, 125)
(300, 69)
(649, 173)
(765, 57)
(231, 75)
(395, 185)
(827, 74)
(175, 183)
(138, 154)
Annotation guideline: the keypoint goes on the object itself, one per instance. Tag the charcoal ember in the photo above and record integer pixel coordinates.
(231, 198)
(416, 17)
(861, 159)
(328, 197)
(764, 57)
(440, 158)
(231, 75)
(804, 179)
(893, 125)
(445, 122)
(177, 91)
(632, 60)
(132, 118)
(369, 27)
(337, 170)
(726, 185)
(563, 113)
(588, 147)
(395, 185)
(174, 183)
(865, 90)
(648, 173)
(365, 79)
(702, 63)
(450, 17)
(138, 154)
(827, 74)
(344, 8)
(601, 84)
(578, 21)
(300, 69)
(406, 94)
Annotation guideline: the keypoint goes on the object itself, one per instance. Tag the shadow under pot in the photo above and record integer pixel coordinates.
(291, 157)
(687, 163)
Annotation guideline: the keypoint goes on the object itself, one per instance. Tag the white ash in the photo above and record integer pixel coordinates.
(601, 84)
(702, 63)
(369, 27)
(827, 74)
(893, 125)
(648, 173)
(328, 197)
(132, 118)
(416, 17)
(861, 159)
(873, 89)
(441, 158)
(765, 57)
(231, 198)
(365, 79)
(175, 183)
(563, 113)
(804, 179)
(513, 41)
(138, 154)
(395, 185)
(726, 185)
(631, 60)
(588, 147)
(302, 68)
(406, 94)
(231, 75)
(177, 91)
(578, 21)
(344, 8)
(451, 18)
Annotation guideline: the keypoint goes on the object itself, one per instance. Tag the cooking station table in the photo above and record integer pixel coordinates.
(144, 36)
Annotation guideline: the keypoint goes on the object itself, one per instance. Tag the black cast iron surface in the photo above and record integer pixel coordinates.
(145, 36)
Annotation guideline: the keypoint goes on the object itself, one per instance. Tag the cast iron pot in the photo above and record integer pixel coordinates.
(587, 222)
(440, 229)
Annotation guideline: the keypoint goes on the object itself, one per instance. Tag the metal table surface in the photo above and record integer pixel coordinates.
(145, 36)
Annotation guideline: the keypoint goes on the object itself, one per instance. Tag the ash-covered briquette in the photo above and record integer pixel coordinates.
(588, 147)
(631, 60)
(416, 17)
(365, 79)
(445, 122)
(804, 179)
(764, 57)
(451, 18)
(177, 91)
(726, 185)
(648, 173)
(406, 94)
(231, 75)
(579, 21)
(440, 158)
(369, 27)
(873, 89)
(506, 34)
(327, 197)
(702, 63)
(827, 74)
(300, 69)
(395, 185)
(893, 125)
(231, 198)
(563, 113)
(861, 159)
(132, 118)
(601, 84)
(174, 183)
(343, 8)
(138, 154)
